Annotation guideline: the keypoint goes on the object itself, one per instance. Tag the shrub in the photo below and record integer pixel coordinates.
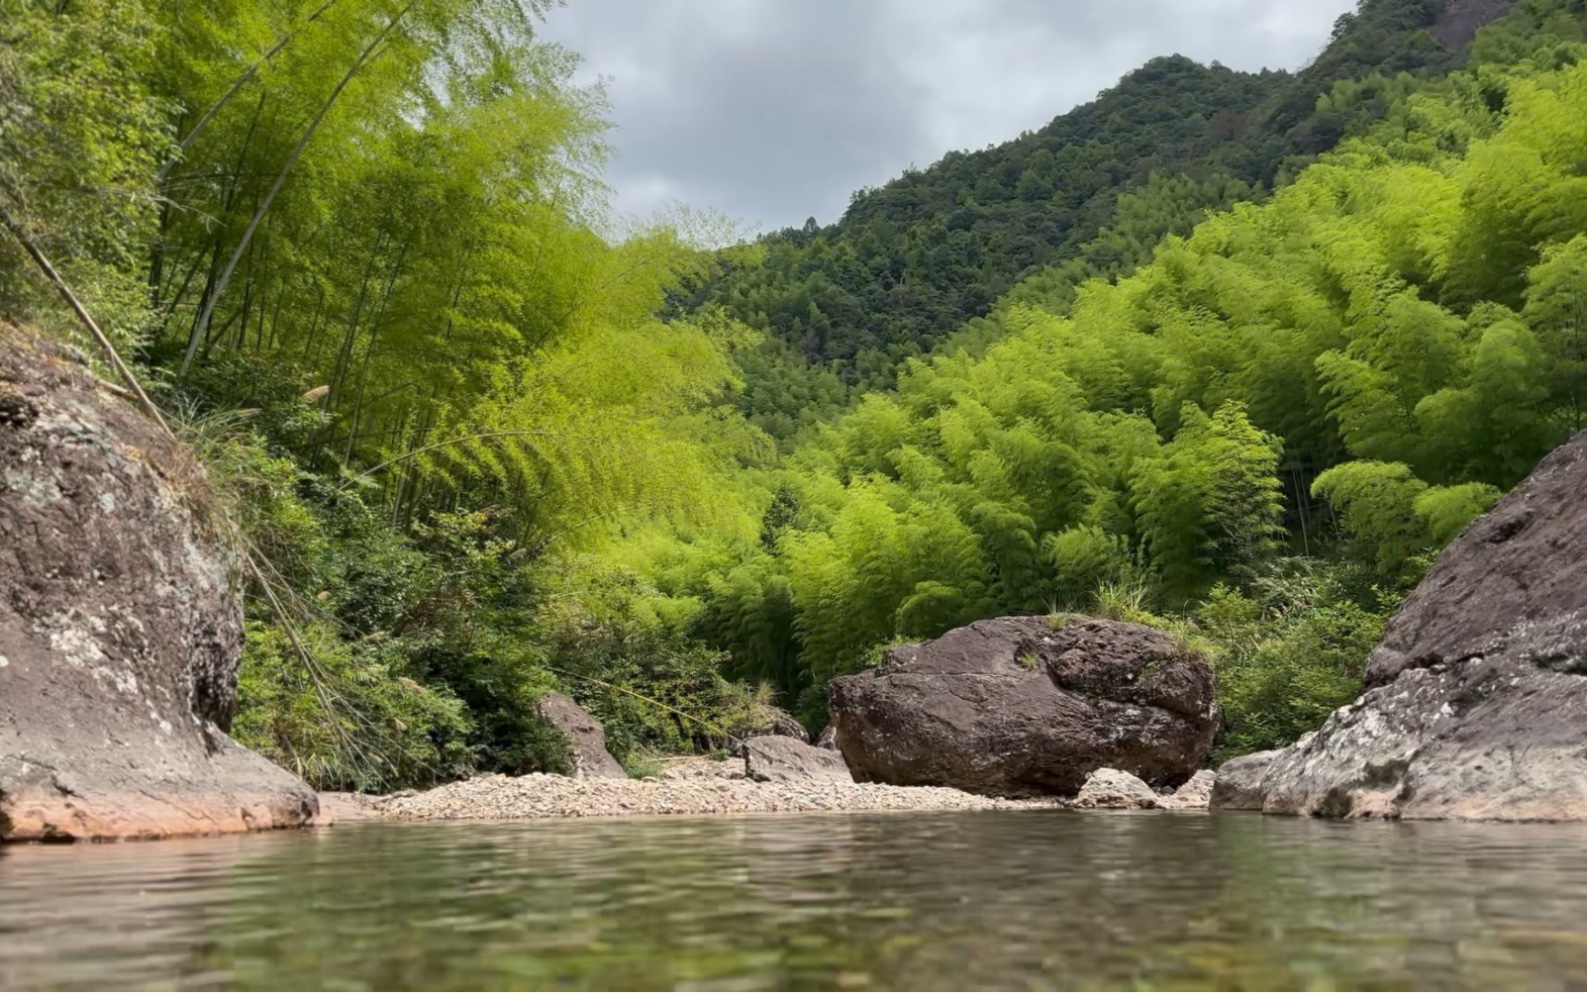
(353, 723)
(1287, 653)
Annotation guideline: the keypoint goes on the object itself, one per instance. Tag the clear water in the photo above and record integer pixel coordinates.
(1018, 900)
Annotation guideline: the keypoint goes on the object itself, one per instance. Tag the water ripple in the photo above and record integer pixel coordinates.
(919, 901)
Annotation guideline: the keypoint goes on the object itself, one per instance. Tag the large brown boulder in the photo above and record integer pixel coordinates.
(1026, 706)
(1476, 699)
(120, 625)
(586, 738)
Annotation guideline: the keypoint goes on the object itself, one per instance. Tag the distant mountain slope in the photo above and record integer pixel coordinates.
(1460, 20)
(913, 260)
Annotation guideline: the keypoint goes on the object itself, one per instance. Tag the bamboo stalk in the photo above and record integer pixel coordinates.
(114, 357)
(240, 82)
(202, 324)
(640, 696)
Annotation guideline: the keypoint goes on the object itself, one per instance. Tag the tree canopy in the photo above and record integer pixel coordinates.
(1231, 353)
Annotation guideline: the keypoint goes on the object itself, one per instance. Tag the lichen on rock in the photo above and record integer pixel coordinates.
(120, 625)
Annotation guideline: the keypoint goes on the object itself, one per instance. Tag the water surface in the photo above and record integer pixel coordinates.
(1022, 900)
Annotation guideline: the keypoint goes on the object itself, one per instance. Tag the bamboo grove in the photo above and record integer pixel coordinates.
(491, 441)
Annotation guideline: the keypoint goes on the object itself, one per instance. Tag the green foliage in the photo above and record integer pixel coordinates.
(352, 723)
(644, 763)
(1556, 309)
(1376, 504)
(1129, 602)
(1087, 558)
(1131, 362)
(1210, 503)
(912, 261)
(81, 131)
(1390, 519)
(413, 671)
(1288, 652)
(1446, 510)
(652, 689)
(881, 574)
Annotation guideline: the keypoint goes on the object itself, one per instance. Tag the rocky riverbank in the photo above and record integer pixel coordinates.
(539, 796)
(701, 787)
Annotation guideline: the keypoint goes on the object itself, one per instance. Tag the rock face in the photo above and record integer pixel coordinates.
(120, 625)
(780, 759)
(1458, 25)
(1110, 789)
(1476, 699)
(1239, 782)
(1195, 794)
(586, 738)
(1022, 706)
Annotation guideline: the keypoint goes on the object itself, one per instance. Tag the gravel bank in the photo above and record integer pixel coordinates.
(540, 796)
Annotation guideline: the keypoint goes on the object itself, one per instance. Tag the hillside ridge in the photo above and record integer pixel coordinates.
(911, 261)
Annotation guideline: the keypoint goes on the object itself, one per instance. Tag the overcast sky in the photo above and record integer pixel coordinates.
(772, 111)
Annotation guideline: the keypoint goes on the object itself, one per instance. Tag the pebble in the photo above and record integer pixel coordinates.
(692, 790)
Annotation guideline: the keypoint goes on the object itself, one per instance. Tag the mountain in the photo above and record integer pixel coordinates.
(912, 261)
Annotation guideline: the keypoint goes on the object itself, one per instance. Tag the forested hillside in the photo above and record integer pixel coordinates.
(471, 451)
(912, 261)
(1262, 434)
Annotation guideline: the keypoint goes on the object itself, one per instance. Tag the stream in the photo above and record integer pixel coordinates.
(1024, 899)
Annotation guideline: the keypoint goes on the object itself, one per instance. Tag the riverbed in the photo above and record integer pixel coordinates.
(983, 899)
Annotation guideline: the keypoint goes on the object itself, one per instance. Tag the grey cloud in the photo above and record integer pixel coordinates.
(775, 110)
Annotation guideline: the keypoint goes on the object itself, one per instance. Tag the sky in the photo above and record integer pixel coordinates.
(772, 111)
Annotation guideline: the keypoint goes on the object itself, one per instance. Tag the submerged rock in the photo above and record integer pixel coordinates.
(1025, 706)
(772, 759)
(120, 625)
(1110, 789)
(1476, 699)
(586, 738)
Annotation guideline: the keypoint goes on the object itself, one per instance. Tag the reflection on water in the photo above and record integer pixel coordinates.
(1048, 899)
